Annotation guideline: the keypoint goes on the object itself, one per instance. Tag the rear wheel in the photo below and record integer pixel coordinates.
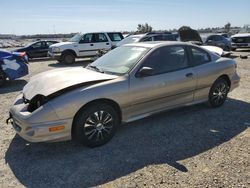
(218, 92)
(95, 125)
(68, 58)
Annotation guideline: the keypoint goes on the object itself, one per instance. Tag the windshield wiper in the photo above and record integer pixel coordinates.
(96, 68)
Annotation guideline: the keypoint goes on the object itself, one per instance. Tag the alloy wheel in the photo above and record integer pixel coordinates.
(98, 126)
(219, 93)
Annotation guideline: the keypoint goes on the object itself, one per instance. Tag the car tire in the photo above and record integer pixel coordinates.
(68, 58)
(3, 78)
(218, 93)
(95, 125)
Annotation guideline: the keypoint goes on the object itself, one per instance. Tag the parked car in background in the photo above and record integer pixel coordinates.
(12, 66)
(152, 36)
(84, 45)
(217, 40)
(241, 40)
(128, 83)
(37, 49)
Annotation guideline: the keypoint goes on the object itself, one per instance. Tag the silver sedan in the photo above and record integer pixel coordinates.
(128, 83)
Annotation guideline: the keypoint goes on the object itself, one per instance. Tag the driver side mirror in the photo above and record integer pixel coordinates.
(145, 71)
(209, 41)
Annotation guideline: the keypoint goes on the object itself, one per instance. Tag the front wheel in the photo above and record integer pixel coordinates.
(68, 58)
(218, 93)
(95, 125)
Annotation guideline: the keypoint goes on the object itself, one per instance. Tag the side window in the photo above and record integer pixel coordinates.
(100, 37)
(146, 39)
(158, 38)
(167, 59)
(199, 56)
(49, 43)
(37, 45)
(211, 38)
(115, 37)
(218, 38)
(87, 38)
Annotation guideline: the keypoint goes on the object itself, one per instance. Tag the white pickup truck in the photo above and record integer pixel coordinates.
(240, 40)
(83, 45)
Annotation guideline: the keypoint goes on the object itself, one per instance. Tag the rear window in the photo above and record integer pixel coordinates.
(200, 56)
(115, 36)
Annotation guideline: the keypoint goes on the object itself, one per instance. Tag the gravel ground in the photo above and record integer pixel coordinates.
(189, 147)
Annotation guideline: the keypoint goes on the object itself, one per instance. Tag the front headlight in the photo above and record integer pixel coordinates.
(56, 49)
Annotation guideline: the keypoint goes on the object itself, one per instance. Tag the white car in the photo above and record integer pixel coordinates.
(83, 45)
(241, 40)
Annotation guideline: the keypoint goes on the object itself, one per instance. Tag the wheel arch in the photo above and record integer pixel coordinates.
(69, 51)
(110, 102)
(226, 77)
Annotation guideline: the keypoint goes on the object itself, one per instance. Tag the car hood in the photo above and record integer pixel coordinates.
(62, 44)
(59, 79)
(241, 35)
(189, 35)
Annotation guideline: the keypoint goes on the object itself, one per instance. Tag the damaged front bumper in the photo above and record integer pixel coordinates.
(28, 128)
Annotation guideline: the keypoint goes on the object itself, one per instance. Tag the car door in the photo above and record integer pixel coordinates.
(205, 70)
(102, 41)
(86, 47)
(39, 49)
(219, 41)
(171, 84)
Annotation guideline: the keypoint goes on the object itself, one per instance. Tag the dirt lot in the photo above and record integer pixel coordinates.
(189, 147)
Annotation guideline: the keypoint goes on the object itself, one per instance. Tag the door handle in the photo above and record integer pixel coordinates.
(91, 44)
(107, 43)
(189, 75)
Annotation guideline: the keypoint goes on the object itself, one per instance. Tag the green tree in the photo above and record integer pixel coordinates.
(227, 27)
(144, 28)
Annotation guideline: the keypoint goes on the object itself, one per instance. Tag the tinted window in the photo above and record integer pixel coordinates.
(218, 38)
(49, 43)
(200, 56)
(39, 45)
(165, 38)
(100, 37)
(146, 39)
(158, 38)
(167, 59)
(115, 36)
(87, 38)
(212, 38)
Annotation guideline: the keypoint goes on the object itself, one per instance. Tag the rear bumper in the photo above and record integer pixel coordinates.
(48, 131)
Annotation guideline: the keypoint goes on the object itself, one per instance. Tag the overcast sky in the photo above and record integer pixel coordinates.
(66, 16)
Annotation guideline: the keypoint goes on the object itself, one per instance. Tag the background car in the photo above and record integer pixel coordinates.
(84, 45)
(37, 49)
(240, 40)
(217, 40)
(12, 66)
(128, 83)
(152, 36)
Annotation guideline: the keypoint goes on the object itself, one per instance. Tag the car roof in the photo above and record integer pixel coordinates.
(155, 44)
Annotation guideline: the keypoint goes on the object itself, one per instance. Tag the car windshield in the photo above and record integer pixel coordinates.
(76, 38)
(119, 61)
